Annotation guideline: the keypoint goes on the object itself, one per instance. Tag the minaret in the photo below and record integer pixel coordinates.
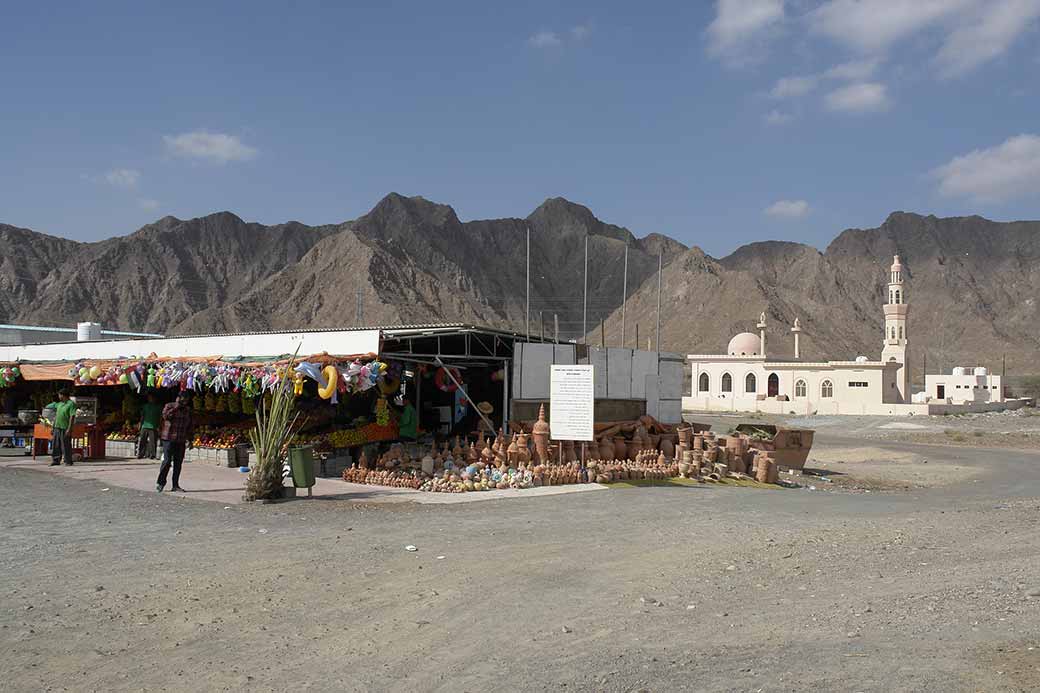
(762, 334)
(797, 330)
(896, 336)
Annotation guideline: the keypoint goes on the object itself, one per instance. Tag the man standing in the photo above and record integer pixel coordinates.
(408, 426)
(61, 432)
(151, 414)
(176, 435)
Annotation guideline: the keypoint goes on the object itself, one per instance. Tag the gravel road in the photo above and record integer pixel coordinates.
(658, 589)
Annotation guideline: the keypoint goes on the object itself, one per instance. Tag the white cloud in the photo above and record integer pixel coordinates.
(581, 32)
(214, 147)
(545, 39)
(987, 37)
(862, 97)
(788, 209)
(123, 178)
(873, 25)
(789, 87)
(775, 117)
(148, 205)
(973, 31)
(1004, 172)
(739, 23)
(853, 71)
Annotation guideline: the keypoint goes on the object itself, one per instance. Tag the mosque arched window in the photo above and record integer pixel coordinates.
(703, 383)
(750, 383)
(799, 388)
(827, 389)
(727, 382)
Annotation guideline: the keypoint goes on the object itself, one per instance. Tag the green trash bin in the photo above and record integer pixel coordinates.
(301, 464)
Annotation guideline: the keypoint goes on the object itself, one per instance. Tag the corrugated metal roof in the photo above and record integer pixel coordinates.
(389, 331)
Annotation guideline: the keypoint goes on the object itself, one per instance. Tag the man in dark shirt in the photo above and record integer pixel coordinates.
(176, 434)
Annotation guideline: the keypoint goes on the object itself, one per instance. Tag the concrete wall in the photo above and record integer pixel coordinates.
(620, 374)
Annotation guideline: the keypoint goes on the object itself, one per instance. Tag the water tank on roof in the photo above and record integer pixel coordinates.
(959, 370)
(861, 359)
(980, 370)
(88, 331)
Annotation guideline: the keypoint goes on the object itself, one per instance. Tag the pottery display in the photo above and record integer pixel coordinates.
(540, 433)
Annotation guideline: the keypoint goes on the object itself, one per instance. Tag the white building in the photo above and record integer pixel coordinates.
(964, 386)
(746, 378)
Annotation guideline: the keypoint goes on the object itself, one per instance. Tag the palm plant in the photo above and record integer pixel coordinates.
(274, 427)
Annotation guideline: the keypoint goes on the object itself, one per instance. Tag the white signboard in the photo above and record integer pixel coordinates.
(571, 402)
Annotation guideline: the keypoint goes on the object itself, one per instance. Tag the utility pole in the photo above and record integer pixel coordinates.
(660, 261)
(556, 326)
(527, 310)
(624, 296)
(585, 294)
(541, 323)
(602, 335)
(637, 335)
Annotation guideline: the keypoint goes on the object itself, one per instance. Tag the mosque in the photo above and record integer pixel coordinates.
(746, 378)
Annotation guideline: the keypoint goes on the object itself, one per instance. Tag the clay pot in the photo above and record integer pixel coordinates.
(620, 448)
(698, 441)
(634, 448)
(606, 448)
(668, 448)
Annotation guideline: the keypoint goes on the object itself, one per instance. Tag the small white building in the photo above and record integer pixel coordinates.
(964, 386)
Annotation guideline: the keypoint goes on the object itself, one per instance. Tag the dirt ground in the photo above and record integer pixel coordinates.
(929, 582)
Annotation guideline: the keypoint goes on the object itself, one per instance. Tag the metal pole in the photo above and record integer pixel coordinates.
(585, 294)
(527, 311)
(602, 335)
(541, 324)
(506, 366)
(637, 335)
(624, 296)
(556, 326)
(660, 258)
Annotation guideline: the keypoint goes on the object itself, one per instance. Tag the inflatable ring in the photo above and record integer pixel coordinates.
(443, 382)
(331, 374)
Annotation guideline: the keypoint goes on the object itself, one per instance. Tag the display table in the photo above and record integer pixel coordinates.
(87, 439)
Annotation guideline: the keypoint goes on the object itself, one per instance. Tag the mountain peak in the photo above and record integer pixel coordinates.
(395, 206)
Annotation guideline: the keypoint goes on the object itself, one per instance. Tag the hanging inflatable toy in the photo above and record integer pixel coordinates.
(297, 383)
(151, 378)
(443, 382)
(331, 374)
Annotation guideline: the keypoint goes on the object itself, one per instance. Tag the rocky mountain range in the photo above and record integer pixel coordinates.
(973, 283)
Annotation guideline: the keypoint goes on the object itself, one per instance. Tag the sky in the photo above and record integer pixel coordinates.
(716, 123)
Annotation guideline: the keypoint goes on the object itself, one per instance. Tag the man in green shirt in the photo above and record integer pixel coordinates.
(61, 433)
(147, 441)
(408, 426)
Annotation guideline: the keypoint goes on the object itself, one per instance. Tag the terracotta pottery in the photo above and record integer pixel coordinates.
(634, 448)
(668, 448)
(540, 433)
(568, 451)
(620, 448)
(606, 448)
(698, 441)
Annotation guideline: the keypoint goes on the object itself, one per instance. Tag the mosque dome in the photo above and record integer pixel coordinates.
(744, 344)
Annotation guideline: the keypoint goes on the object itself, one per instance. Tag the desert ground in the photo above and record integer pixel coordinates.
(890, 565)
